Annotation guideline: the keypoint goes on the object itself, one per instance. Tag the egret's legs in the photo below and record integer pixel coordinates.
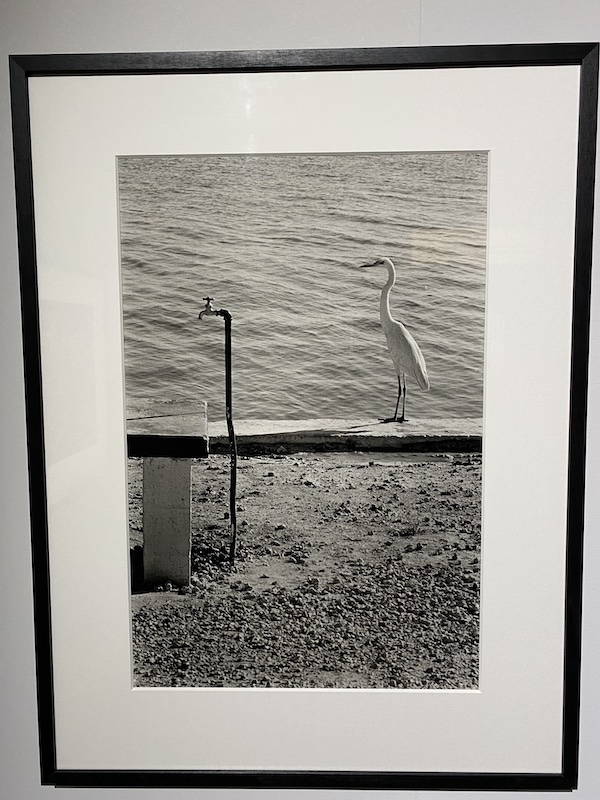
(401, 393)
(403, 397)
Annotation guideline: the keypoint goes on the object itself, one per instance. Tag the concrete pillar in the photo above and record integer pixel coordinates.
(167, 515)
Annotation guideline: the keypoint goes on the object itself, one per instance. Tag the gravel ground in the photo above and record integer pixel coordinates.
(352, 570)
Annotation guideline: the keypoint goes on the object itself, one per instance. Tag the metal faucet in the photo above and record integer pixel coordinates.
(208, 308)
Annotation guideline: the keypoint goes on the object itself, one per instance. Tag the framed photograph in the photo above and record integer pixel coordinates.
(305, 349)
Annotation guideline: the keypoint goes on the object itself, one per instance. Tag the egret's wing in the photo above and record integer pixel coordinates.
(405, 353)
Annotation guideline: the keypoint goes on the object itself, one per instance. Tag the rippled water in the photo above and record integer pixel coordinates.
(277, 240)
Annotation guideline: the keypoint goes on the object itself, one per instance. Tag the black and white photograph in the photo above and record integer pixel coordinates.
(304, 372)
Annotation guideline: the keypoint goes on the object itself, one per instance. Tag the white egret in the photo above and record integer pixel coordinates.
(404, 351)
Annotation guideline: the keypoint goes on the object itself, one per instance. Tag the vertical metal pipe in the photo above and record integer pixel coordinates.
(231, 432)
(222, 312)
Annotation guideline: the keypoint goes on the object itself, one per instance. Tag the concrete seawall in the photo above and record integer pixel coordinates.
(329, 435)
(173, 422)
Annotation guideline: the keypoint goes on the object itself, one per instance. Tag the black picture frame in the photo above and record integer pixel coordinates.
(22, 69)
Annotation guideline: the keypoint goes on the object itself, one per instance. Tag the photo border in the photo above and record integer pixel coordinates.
(22, 68)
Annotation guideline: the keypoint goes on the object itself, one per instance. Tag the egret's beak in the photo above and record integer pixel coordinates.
(362, 266)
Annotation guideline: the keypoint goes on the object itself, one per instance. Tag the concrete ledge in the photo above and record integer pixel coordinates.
(168, 429)
(323, 435)
(167, 419)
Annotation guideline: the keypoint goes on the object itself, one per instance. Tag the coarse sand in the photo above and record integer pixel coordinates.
(352, 570)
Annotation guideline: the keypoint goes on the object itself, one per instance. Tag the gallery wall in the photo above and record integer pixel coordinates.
(63, 26)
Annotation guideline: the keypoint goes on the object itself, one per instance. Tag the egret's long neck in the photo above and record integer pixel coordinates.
(385, 294)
